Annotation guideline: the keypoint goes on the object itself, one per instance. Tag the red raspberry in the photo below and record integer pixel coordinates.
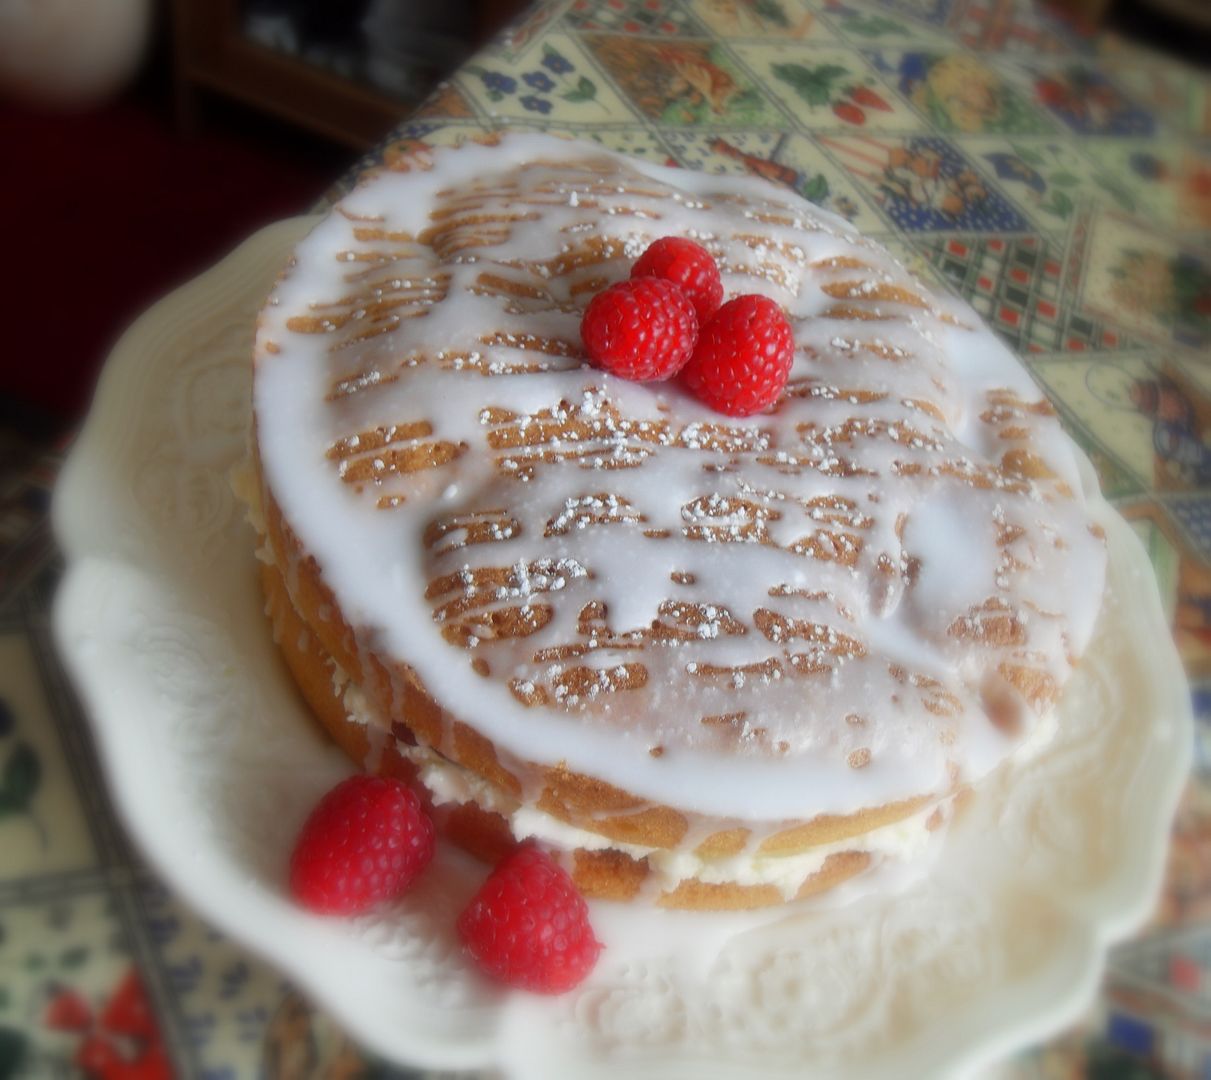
(366, 841)
(743, 357)
(642, 329)
(686, 264)
(529, 927)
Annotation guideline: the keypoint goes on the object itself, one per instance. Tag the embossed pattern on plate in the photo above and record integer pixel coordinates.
(213, 767)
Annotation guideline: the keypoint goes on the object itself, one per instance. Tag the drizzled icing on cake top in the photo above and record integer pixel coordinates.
(871, 591)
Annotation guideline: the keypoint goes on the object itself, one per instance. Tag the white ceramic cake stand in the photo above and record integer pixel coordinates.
(213, 764)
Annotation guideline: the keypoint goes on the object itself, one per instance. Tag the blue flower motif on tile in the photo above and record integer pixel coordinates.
(538, 81)
(20, 775)
(496, 83)
(564, 83)
(1012, 167)
(1194, 514)
(553, 61)
(1149, 166)
(925, 184)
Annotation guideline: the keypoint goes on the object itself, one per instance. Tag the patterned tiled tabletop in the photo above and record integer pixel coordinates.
(1061, 183)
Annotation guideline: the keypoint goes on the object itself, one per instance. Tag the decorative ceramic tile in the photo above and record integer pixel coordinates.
(1168, 180)
(550, 79)
(930, 11)
(517, 36)
(1193, 513)
(1146, 282)
(1089, 103)
(1130, 409)
(1009, 26)
(43, 830)
(778, 20)
(447, 102)
(1164, 556)
(1018, 284)
(683, 82)
(652, 18)
(827, 89)
(791, 160)
(1178, 96)
(924, 184)
(222, 999)
(863, 26)
(961, 93)
(70, 997)
(1190, 593)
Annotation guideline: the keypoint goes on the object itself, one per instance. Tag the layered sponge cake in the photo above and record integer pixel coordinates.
(708, 662)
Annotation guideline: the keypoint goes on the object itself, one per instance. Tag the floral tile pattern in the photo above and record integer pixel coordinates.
(959, 92)
(42, 823)
(924, 184)
(1060, 183)
(684, 83)
(1090, 103)
(1148, 282)
(656, 18)
(551, 75)
(794, 20)
(828, 89)
(793, 161)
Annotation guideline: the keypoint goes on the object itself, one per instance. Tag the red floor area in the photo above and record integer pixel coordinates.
(104, 212)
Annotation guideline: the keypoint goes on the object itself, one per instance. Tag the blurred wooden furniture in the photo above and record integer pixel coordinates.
(213, 53)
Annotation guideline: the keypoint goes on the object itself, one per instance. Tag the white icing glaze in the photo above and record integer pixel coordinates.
(901, 411)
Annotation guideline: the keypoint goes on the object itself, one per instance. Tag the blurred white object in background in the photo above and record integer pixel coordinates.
(411, 43)
(70, 53)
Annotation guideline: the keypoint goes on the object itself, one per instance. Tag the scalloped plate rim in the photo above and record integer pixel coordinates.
(88, 560)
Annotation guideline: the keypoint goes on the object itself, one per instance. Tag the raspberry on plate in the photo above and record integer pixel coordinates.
(365, 842)
(528, 926)
(642, 329)
(687, 265)
(743, 357)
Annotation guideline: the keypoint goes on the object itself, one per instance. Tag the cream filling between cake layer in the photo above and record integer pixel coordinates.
(449, 782)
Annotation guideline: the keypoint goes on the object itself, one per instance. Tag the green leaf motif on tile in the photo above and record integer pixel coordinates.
(772, 12)
(73, 957)
(13, 1047)
(1117, 192)
(1031, 157)
(814, 85)
(586, 90)
(19, 780)
(873, 26)
(1060, 204)
(816, 189)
